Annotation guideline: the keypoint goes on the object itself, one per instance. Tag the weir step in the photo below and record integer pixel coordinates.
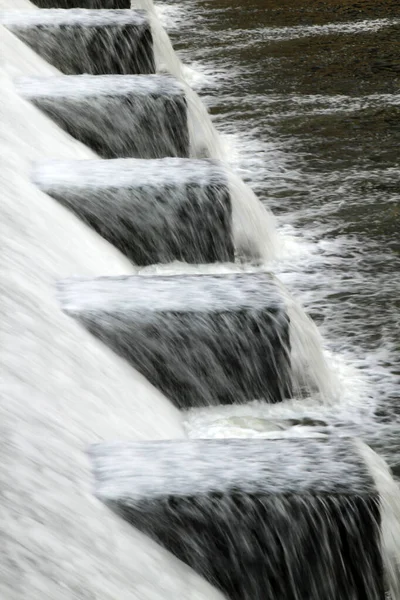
(201, 339)
(117, 116)
(154, 211)
(81, 41)
(283, 519)
(82, 3)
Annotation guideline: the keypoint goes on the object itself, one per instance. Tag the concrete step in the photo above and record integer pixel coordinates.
(283, 519)
(81, 41)
(201, 339)
(111, 4)
(118, 116)
(154, 211)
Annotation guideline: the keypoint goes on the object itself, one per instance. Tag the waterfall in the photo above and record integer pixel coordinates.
(390, 501)
(141, 301)
(62, 389)
(253, 224)
(240, 514)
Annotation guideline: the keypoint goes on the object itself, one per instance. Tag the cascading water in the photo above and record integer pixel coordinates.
(390, 529)
(87, 41)
(162, 210)
(205, 139)
(151, 195)
(50, 369)
(286, 533)
(200, 125)
(283, 169)
(129, 116)
(165, 57)
(65, 390)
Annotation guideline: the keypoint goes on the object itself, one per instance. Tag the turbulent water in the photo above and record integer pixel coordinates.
(245, 518)
(307, 99)
(306, 102)
(61, 389)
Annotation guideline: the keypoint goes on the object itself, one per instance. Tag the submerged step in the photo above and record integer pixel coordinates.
(118, 116)
(154, 211)
(87, 41)
(200, 339)
(283, 519)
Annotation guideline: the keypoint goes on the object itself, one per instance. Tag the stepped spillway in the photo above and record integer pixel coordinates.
(282, 517)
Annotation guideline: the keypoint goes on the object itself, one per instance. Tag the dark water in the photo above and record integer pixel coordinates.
(309, 93)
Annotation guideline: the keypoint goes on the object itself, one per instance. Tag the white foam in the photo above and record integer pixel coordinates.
(300, 31)
(77, 86)
(61, 17)
(62, 390)
(197, 468)
(389, 494)
(127, 172)
(16, 5)
(254, 227)
(17, 59)
(142, 296)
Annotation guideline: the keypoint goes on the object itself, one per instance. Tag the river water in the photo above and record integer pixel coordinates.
(306, 101)
(307, 98)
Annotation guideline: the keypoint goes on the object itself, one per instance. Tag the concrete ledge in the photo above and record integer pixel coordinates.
(200, 339)
(143, 116)
(283, 519)
(154, 211)
(82, 3)
(80, 41)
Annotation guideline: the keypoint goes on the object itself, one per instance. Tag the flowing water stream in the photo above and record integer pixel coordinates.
(305, 97)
